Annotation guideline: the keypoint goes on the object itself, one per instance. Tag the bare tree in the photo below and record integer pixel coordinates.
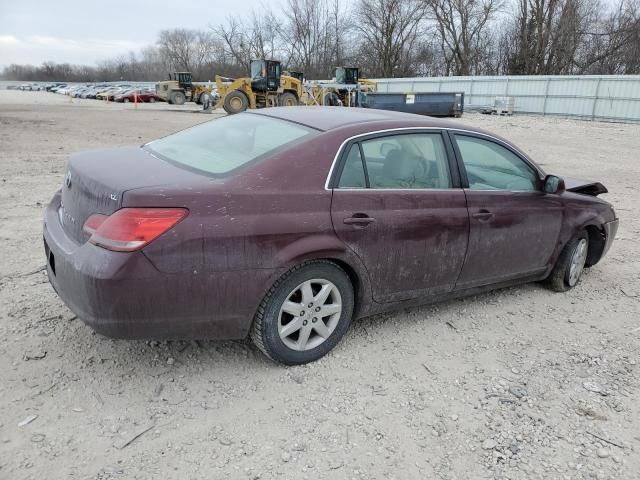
(188, 50)
(389, 32)
(307, 33)
(462, 26)
(243, 40)
(548, 36)
(388, 38)
(613, 44)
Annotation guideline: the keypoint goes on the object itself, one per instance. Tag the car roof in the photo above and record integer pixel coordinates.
(366, 120)
(328, 118)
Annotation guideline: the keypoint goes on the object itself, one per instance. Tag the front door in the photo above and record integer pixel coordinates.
(514, 225)
(397, 205)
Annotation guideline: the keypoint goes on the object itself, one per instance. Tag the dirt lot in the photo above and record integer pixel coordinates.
(520, 383)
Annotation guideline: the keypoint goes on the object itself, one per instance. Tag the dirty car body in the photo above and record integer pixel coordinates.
(326, 184)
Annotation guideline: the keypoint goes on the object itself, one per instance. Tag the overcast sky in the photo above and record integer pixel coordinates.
(84, 31)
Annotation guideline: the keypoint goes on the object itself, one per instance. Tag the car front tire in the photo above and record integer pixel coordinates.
(304, 314)
(570, 264)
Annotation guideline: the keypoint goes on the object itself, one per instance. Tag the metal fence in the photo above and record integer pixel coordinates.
(594, 97)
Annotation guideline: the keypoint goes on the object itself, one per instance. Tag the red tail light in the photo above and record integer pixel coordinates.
(130, 229)
(93, 222)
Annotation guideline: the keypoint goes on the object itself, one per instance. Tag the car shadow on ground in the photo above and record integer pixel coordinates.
(151, 357)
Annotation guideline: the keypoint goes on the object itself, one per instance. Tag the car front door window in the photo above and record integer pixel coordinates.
(490, 166)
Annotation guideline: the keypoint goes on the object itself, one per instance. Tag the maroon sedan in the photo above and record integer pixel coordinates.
(287, 223)
(139, 96)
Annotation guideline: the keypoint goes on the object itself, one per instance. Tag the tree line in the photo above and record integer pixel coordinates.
(387, 38)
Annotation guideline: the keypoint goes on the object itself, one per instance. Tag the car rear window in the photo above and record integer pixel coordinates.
(226, 144)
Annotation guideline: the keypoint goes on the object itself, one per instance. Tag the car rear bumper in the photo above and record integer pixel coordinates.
(610, 230)
(123, 295)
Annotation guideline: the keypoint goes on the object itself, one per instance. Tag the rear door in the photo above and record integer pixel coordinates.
(514, 225)
(397, 203)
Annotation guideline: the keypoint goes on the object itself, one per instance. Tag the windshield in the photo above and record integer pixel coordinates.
(220, 146)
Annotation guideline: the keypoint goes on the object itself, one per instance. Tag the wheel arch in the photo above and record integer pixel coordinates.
(330, 249)
(358, 276)
(356, 281)
(593, 223)
(597, 242)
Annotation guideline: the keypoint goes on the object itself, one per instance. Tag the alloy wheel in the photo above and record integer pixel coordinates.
(309, 314)
(578, 260)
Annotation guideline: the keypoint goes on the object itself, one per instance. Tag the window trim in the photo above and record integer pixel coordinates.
(340, 159)
(463, 171)
(367, 184)
(447, 131)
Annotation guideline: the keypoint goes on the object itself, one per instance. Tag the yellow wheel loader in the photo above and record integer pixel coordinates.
(266, 87)
(180, 89)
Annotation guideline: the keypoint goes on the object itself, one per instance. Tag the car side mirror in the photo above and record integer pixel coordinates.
(553, 184)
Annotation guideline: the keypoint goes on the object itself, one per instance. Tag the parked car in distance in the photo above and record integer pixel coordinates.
(93, 91)
(108, 93)
(65, 90)
(49, 87)
(77, 93)
(141, 95)
(287, 223)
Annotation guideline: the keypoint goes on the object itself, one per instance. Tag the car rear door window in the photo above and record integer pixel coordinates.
(490, 166)
(407, 161)
(353, 175)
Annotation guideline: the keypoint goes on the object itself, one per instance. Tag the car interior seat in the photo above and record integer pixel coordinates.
(402, 170)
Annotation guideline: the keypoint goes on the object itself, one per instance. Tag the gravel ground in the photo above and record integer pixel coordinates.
(520, 383)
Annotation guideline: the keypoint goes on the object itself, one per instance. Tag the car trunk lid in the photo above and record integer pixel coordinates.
(96, 181)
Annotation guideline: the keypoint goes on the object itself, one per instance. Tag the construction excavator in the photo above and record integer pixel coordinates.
(267, 86)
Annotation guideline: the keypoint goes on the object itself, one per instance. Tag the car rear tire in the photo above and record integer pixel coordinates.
(125, 100)
(178, 98)
(570, 264)
(152, 100)
(287, 99)
(235, 102)
(304, 314)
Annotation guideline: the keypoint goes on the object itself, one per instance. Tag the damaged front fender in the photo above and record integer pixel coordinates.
(584, 187)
